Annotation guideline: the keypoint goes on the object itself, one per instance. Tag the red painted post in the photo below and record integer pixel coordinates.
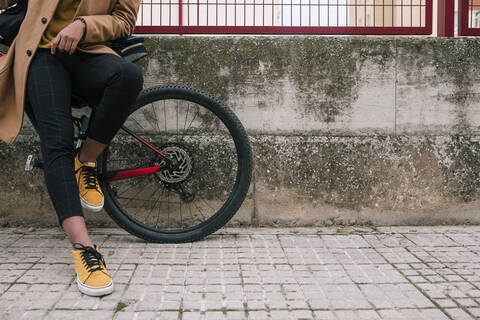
(446, 18)
(180, 13)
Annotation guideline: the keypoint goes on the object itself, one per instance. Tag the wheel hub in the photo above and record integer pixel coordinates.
(182, 170)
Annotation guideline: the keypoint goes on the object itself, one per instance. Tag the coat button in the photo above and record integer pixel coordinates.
(44, 20)
(29, 53)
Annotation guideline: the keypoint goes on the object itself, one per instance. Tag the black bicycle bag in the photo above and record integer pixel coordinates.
(10, 21)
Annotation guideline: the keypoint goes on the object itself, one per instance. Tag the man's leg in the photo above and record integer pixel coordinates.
(76, 230)
(49, 91)
(118, 83)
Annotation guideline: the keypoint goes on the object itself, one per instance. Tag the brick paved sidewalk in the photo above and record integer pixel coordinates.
(390, 273)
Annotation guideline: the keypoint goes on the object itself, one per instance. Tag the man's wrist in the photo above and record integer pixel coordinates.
(84, 26)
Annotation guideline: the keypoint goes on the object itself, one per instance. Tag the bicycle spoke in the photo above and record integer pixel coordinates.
(193, 119)
(208, 205)
(168, 208)
(148, 117)
(186, 116)
(156, 118)
(175, 198)
(158, 214)
(165, 115)
(181, 218)
(138, 123)
(177, 121)
(200, 211)
(132, 185)
(134, 197)
(154, 204)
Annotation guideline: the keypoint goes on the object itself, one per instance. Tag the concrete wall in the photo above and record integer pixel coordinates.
(376, 130)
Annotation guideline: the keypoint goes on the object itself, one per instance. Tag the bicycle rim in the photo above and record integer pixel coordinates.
(210, 182)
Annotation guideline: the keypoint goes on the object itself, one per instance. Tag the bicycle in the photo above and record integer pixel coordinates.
(182, 154)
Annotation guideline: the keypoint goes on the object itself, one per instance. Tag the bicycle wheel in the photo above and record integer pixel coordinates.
(205, 188)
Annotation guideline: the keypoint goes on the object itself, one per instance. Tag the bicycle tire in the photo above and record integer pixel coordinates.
(237, 195)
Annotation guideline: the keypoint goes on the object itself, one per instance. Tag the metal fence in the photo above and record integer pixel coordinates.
(469, 13)
(285, 16)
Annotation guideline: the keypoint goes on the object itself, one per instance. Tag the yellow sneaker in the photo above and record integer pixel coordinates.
(93, 278)
(91, 195)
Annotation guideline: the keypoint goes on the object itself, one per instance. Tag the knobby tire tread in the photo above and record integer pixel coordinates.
(219, 220)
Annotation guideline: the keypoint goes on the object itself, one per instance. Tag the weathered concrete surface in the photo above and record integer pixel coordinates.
(377, 130)
(388, 273)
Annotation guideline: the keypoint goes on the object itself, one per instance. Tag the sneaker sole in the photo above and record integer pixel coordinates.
(90, 207)
(94, 291)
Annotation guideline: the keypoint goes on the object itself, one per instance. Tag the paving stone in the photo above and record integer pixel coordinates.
(79, 314)
(357, 314)
(236, 315)
(459, 314)
(33, 315)
(251, 274)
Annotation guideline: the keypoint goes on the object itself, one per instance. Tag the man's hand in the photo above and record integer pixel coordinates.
(68, 38)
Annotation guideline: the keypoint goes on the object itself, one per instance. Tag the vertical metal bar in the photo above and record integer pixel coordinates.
(347, 9)
(180, 13)
(364, 13)
(470, 14)
(263, 12)
(244, 12)
(393, 14)
(420, 15)
(411, 13)
(319, 6)
(273, 13)
(401, 13)
(300, 10)
(328, 13)
(356, 19)
(291, 13)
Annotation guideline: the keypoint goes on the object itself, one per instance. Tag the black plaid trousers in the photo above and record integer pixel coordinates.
(50, 82)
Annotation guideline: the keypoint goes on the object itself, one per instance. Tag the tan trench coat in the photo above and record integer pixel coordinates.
(105, 19)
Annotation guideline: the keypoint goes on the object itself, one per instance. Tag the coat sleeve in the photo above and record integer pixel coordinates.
(119, 23)
(7, 3)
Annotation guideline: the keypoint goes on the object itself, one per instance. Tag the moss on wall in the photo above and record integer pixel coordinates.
(328, 71)
(322, 78)
(453, 66)
(325, 71)
(382, 173)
